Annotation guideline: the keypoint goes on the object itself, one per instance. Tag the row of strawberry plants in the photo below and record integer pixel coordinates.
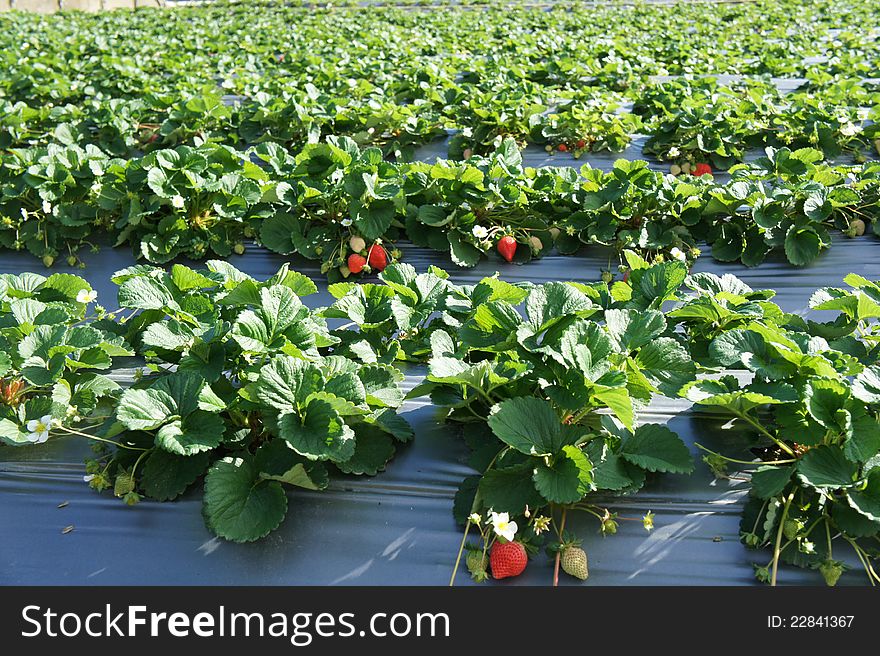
(247, 387)
(687, 121)
(70, 58)
(346, 206)
(547, 77)
(546, 381)
(240, 387)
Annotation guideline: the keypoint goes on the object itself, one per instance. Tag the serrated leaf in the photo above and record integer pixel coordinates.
(145, 293)
(276, 461)
(769, 481)
(530, 426)
(509, 490)
(287, 382)
(198, 431)
(826, 467)
(165, 476)
(239, 506)
(319, 432)
(567, 480)
(656, 448)
(867, 500)
(373, 449)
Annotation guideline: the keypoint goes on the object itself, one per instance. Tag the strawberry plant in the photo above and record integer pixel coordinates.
(585, 123)
(693, 121)
(546, 380)
(748, 218)
(810, 398)
(242, 386)
(47, 199)
(186, 201)
(53, 350)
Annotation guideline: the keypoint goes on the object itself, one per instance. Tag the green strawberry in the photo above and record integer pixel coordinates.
(574, 562)
(477, 563)
(831, 571)
(791, 528)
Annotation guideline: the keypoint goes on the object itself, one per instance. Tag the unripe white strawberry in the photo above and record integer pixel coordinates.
(675, 169)
(357, 244)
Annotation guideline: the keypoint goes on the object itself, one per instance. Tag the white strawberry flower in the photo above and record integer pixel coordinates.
(346, 222)
(47, 207)
(39, 429)
(503, 527)
(678, 254)
(86, 296)
(178, 201)
(88, 478)
(674, 152)
(480, 232)
(849, 129)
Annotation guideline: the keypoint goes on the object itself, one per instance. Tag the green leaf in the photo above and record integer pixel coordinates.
(145, 293)
(552, 301)
(509, 490)
(373, 220)
(656, 448)
(853, 522)
(165, 476)
(769, 481)
(464, 498)
(287, 382)
(277, 461)
(867, 501)
(802, 245)
(567, 480)
(530, 426)
(11, 434)
(866, 386)
(66, 285)
(667, 365)
(186, 279)
(239, 506)
(464, 254)
(198, 431)
(826, 467)
(380, 385)
(145, 409)
(825, 399)
(319, 433)
(863, 442)
(373, 449)
(631, 329)
(277, 232)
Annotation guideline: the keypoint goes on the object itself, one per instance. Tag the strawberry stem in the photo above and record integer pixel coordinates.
(460, 550)
(777, 550)
(559, 553)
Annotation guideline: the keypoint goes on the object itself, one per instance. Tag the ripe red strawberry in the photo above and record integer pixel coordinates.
(581, 144)
(702, 169)
(356, 262)
(507, 247)
(377, 257)
(508, 559)
(562, 148)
